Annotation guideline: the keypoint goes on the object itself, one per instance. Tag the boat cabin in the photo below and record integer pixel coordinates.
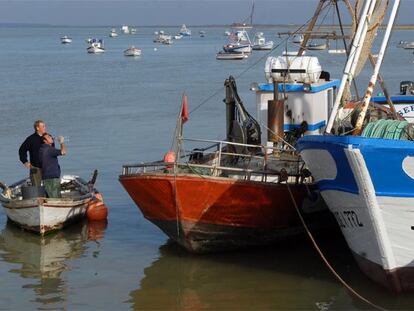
(309, 93)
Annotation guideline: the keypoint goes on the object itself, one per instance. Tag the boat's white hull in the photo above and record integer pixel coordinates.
(263, 47)
(372, 202)
(49, 215)
(132, 52)
(237, 48)
(66, 41)
(95, 50)
(231, 56)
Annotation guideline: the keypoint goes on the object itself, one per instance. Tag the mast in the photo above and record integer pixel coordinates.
(373, 80)
(310, 27)
(352, 61)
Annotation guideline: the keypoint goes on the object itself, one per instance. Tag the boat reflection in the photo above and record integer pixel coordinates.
(264, 279)
(289, 277)
(42, 260)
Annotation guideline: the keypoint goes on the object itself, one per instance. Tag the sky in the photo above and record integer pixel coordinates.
(164, 12)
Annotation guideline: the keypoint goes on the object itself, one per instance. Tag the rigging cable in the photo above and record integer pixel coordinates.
(337, 276)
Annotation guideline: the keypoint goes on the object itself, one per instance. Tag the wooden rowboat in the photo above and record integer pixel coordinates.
(29, 208)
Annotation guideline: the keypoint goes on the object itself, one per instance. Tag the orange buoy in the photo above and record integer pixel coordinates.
(96, 210)
(169, 157)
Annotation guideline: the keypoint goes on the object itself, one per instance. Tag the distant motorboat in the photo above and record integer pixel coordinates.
(88, 40)
(297, 39)
(406, 45)
(227, 33)
(96, 46)
(317, 46)
(178, 37)
(237, 48)
(125, 29)
(222, 55)
(260, 43)
(163, 38)
(113, 33)
(132, 51)
(185, 31)
(202, 33)
(239, 42)
(65, 40)
(133, 31)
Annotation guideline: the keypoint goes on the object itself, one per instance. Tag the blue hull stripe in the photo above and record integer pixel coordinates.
(298, 87)
(383, 157)
(311, 127)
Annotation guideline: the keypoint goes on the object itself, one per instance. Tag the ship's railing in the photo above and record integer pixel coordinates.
(227, 159)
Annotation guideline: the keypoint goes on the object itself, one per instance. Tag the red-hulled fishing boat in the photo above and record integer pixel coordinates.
(223, 195)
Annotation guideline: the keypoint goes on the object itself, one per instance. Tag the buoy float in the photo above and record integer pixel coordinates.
(96, 208)
(169, 157)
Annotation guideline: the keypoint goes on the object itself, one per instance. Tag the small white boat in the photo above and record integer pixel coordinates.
(260, 43)
(298, 39)
(336, 51)
(96, 46)
(163, 38)
(113, 33)
(227, 33)
(88, 40)
(178, 37)
(65, 40)
(125, 29)
(185, 31)
(239, 42)
(317, 46)
(222, 55)
(132, 51)
(133, 31)
(31, 209)
(202, 33)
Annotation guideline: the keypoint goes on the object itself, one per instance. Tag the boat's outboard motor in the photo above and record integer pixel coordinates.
(241, 127)
(407, 87)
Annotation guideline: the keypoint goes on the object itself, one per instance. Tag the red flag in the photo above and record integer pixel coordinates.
(184, 111)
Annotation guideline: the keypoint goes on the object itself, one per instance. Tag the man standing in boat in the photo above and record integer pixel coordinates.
(32, 145)
(48, 156)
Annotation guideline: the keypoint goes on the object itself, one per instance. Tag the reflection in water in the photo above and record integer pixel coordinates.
(262, 279)
(289, 277)
(43, 259)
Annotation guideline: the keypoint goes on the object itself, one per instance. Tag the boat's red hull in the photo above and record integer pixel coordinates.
(215, 214)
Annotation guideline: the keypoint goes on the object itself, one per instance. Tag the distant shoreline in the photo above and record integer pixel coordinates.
(293, 26)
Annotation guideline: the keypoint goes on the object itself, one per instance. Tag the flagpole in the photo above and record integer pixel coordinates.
(179, 132)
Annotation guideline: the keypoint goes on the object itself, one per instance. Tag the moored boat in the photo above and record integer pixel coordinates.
(132, 51)
(229, 56)
(184, 31)
(65, 40)
(260, 43)
(96, 46)
(316, 46)
(30, 208)
(113, 33)
(236, 193)
(239, 41)
(366, 175)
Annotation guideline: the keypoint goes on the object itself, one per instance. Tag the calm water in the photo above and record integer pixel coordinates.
(118, 110)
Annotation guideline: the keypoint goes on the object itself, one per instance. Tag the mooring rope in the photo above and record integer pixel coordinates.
(337, 276)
